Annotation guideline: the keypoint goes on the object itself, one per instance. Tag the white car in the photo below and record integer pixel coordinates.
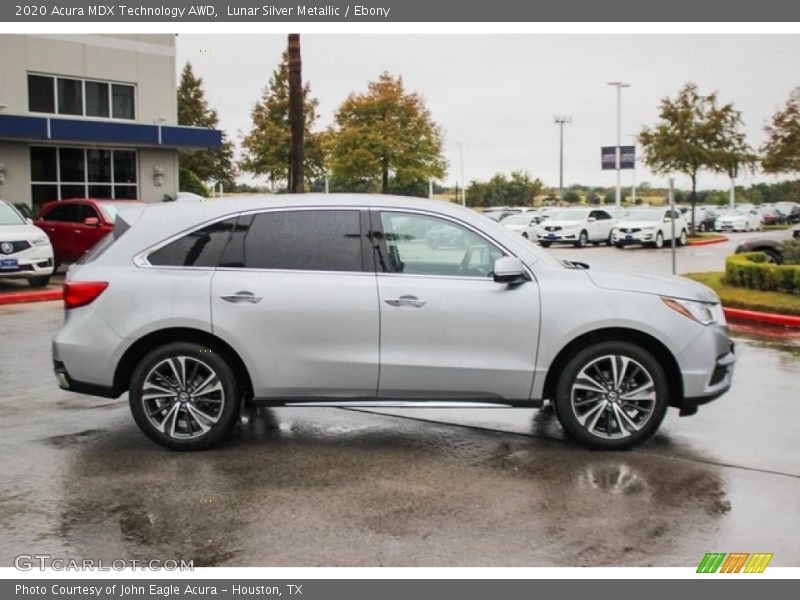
(739, 220)
(524, 224)
(25, 250)
(649, 227)
(577, 226)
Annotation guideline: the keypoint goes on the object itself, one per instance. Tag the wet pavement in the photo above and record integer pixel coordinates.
(478, 487)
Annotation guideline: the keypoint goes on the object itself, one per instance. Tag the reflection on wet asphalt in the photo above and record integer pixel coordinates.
(418, 487)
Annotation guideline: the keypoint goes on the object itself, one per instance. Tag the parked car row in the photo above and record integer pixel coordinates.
(62, 232)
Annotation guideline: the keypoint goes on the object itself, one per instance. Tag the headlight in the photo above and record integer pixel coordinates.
(45, 241)
(706, 313)
(651, 228)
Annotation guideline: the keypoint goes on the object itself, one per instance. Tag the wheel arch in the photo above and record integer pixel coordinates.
(137, 351)
(619, 334)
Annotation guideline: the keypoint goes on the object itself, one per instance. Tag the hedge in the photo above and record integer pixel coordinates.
(751, 270)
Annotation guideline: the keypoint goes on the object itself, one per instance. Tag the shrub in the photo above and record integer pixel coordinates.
(190, 182)
(790, 250)
(750, 270)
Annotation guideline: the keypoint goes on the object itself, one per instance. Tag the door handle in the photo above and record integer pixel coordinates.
(76, 231)
(406, 301)
(242, 297)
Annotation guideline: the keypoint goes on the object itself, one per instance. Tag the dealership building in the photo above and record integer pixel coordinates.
(91, 116)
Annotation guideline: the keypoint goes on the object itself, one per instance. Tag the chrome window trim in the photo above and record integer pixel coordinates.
(141, 259)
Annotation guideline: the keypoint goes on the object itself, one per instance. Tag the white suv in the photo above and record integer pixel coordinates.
(650, 227)
(25, 250)
(196, 309)
(577, 226)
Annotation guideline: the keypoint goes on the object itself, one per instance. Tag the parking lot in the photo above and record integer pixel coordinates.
(423, 487)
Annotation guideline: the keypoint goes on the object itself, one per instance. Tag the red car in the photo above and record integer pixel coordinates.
(75, 225)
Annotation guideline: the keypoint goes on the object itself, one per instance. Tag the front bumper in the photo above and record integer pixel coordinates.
(637, 237)
(558, 236)
(36, 261)
(711, 378)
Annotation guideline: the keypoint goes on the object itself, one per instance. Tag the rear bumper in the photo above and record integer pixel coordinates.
(66, 382)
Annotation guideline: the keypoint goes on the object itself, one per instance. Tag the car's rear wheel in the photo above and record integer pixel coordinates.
(611, 395)
(184, 396)
(40, 281)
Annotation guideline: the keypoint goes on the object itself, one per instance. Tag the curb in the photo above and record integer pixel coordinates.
(23, 297)
(718, 240)
(752, 316)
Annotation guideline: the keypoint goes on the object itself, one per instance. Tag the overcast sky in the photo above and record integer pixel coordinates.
(497, 94)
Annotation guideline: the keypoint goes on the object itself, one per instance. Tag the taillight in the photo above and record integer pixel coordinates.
(81, 293)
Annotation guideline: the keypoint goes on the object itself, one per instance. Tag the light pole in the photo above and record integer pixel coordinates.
(619, 85)
(561, 120)
(461, 160)
(635, 158)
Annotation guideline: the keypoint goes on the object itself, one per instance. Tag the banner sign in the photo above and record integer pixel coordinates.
(400, 11)
(608, 157)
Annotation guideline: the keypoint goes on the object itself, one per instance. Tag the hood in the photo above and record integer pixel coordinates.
(639, 224)
(15, 233)
(732, 218)
(565, 224)
(516, 227)
(650, 283)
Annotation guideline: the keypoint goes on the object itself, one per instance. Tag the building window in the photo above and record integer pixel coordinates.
(80, 97)
(62, 173)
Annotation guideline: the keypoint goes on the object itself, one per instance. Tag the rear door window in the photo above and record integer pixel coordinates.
(302, 240)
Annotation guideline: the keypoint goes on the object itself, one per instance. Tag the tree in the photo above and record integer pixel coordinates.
(208, 163)
(781, 151)
(572, 197)
(385, 137)
(516, 190)
(296, 117)
(267, 148)
(730, 152)
(687, 138)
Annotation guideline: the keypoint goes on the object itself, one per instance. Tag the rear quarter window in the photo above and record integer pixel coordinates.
(199, 248)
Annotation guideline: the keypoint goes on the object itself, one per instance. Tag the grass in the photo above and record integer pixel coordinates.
(738, 297)
(778, 227)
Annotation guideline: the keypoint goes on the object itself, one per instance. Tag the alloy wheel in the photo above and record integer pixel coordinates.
(182, 397)
(613, 396)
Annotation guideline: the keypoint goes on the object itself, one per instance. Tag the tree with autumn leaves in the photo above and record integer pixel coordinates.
(385, 139)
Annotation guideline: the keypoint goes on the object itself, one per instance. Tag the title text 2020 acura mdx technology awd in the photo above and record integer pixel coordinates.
(196, 309)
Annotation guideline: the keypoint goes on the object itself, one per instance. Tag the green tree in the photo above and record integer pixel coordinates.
(688, 138)
(572, 197)
(517, 190)
(208, 163)
(385, 138)
(781, 151)
(267, 148)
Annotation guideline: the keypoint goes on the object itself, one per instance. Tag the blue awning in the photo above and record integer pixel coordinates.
(56, 129)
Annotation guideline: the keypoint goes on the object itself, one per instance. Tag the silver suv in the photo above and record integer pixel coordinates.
(197, 309)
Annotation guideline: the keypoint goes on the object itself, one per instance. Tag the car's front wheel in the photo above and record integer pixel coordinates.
(583, 240)
(611, 395)
(659, 243)
(544, 244)
(184, 396)
(39, 281)
(683, 239)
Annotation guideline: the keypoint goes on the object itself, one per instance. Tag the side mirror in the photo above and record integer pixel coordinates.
(29, 221)
(91, 222)
(509, 270)
(591, 219)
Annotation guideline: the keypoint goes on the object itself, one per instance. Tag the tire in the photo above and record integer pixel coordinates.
(773, 257)
(577, 406)
(40, 281)
(525, 235)
(610, 240)
(544, 244)
(659, 243)
(583, 239)
(683, 239)
(188, 422)
(620, 246)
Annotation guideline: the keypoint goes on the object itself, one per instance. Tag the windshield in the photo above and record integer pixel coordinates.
(569, 215)
(643, 215)
(9, 215)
